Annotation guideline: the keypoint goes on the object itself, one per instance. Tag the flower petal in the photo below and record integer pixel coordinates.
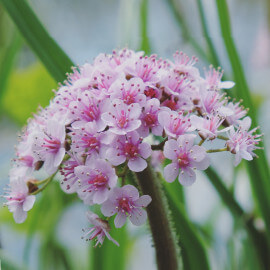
(137, 165)
(170, 172)
(120, 220)
(187, 177)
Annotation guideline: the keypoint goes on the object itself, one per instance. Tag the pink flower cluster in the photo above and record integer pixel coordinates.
(110, 116)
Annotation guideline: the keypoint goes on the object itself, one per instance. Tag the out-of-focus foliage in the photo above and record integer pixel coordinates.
(26, 90)
(52, 56)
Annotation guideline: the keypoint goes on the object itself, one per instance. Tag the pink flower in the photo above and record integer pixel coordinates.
(118, 60)
(19, 201)
(131, 148)
(48, 145)
(125, 201)
(70, 180)
(122, 118)
(212, 102)
(184, 65)
(175, 85)
(97, 177)
(184, 156)
(88, 108)
(149, 118)
(174, 123)
(238, 112)
(99, 230)
(87, 140)
(131, 91)
(242, 142)
(208, 127)
(146, 68)
(213, 80)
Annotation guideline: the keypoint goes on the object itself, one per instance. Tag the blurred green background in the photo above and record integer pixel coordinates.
(50, 238)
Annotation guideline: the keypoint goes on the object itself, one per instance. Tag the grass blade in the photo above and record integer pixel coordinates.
(184, 28)
(258, 169)
(49, 52)
(145, 43)
(211, 48)
(195, 255)
(7, 63)
(257, 237)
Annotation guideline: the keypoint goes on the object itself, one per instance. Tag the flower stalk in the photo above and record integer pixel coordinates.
(164, 240)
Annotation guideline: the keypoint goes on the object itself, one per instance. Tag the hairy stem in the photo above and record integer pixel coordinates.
(166, 251)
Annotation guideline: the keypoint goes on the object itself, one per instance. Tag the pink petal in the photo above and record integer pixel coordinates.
(169, 149)
(145, 150)
(202, 165)
(186, 140)
(114, 158)
(171, 171)
(138, 217)
(59, 157)
(164, 118)
(130, 191)
(120, 220)
(135, 110)
(198, 153)
(108, 208)
(187, 177)
(19, 215)
(110, 238)
(108, 118)
(137, 165)
(100, 196)
(133, 125)
(29, 202)
(143, 201)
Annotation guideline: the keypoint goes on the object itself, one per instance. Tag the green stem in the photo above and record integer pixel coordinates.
(211, 47)
(145, 44)
(164, 240)
(47, 182)
(217, 150)
(185, 29)
(222, 138)
(201, 142)
(257, 237)
(258, 169)
(188, 237)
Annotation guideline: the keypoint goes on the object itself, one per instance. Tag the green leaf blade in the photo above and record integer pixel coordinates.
(49, 52)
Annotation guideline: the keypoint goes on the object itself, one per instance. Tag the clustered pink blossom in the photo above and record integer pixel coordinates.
(109, 117)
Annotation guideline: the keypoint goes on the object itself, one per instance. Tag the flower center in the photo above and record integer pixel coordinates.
(183, 160)
(91, 142)
(51, 145)
(131, 150)
(125, 205)
(122, 120)
(91, 113)
(150, 92)
(98, 181)
(150, 119)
